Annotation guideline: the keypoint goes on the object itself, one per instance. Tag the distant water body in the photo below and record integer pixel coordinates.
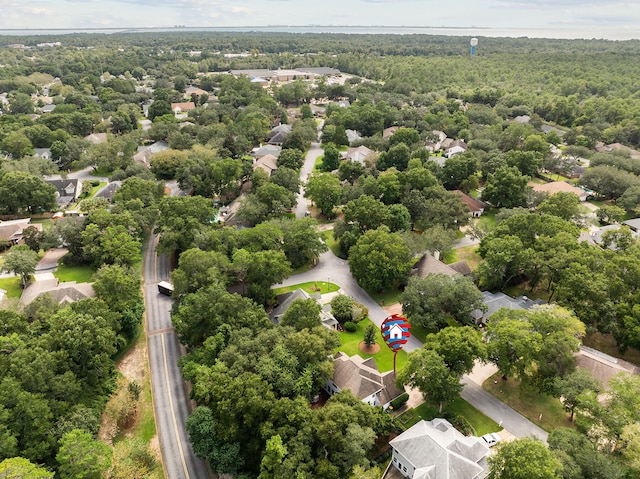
(561, 33)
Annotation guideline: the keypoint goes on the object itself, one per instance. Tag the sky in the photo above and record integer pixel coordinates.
(603, 18)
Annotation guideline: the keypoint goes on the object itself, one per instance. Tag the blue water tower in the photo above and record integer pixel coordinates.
(474, 44)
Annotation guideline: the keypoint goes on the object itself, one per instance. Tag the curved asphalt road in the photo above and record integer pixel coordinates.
(170, 399)
(332, 269)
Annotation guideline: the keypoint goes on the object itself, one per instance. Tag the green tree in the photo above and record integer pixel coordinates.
(302, 243)
(426, 370)
(292, 158)
(630, 449)
(274, 453)
(563, 205)
(82, 457)
(23, 191)
(331, 159)
(370, 335)
(159, 108)
(459, 347)
(610, 214)
(512, 345)
(570, 387)
(398, 156)
(379, 260)
(303, 313)
(22, 261)
(431, 300)
(342, 307)
(223, 458)
(524, 458)
(324, 189)
(367, 212)
(21, 468)
(506, 188)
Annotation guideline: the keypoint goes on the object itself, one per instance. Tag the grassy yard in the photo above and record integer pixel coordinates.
(523, 289)
(384, 358)
(79, 274)
(488, 219)
(95, 189)
(541, 409)
(480, 423)
(11, 286)
(385, 297)
(311, 287)
(468, 254)
(333, 245)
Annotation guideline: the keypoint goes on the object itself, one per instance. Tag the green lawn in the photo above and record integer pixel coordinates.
(311, 287)
(384, 358)
(488, 219)
(333, 245)
(11, 286)
(95, 189)
(79, 274)
(387, 297)
(481, 423)
(541, 409)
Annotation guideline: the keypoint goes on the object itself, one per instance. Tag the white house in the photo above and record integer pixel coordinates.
(436, 450)
(456, 147)
(364, 380)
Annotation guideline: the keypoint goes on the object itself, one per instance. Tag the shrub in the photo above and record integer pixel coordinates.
(399, 401)
(350, 327)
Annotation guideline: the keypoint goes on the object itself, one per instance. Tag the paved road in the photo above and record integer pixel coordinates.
(310, 160)
(84, 174)
(170, 398)
(511, 420)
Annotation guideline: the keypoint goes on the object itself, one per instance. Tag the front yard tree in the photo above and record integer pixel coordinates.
(303, 313)
(512, 345)
(23, 191)
(524, 458)
(431, 300)
(342, 307)
(370, 335)
(573, 385)
(380, 260)
(331, 160)
(427, 371)
(21, 468)
(292, 158)
(302, 243)
(459, 347)
(506, 188)
(324, 190)
(22, 261)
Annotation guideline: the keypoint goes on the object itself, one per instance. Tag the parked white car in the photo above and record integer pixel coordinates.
(491, 439)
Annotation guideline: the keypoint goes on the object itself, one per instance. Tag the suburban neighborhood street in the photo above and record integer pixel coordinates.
(335, 270)
(170, 399)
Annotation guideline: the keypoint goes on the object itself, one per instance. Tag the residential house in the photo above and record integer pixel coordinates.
(181, 109)
(353, 135)
(278, 134)
(547, 128)
(436, 450)
(494, 302)
(48, 108)
(362, 377)
(265, 150)
(359, 154)
(11, 231)
(67, 191)
(558, 187)
(286, 300)
(388, 132)
(634, 224)
(145, 153)
(598, 235)
(269, 163)
(109, 191)
(342, 103)
(429, 264)
(62, 293)
(42, 153)
(600, 148)
(476, 207)
(435, 142)
(96, 138)
(524, 119)
(455, 148)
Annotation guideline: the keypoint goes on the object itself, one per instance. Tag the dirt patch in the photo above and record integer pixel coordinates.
(393, 308)
(154, 447)
(369, 348)
(133, 363)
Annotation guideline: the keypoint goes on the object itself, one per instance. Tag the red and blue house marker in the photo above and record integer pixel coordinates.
(396, 331)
